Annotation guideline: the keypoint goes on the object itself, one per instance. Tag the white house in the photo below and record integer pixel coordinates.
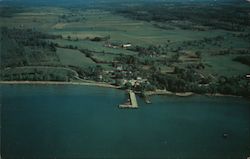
(126, 45)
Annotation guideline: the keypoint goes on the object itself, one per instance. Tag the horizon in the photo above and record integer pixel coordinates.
(113, 1)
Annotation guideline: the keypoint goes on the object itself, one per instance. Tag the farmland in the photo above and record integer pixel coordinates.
(175, 52)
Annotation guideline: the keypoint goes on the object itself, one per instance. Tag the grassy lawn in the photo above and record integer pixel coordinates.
(102, 23)
(224, 65)
(74, 58)
(94, 46)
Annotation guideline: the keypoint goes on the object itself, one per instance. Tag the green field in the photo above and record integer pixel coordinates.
(155, 45)
(70, 57)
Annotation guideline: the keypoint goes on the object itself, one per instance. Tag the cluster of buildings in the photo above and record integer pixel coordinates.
(135, 82)
(116, 45)
(126, 77)
(122, 77)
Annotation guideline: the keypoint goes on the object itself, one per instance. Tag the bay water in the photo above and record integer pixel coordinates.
(69, 121)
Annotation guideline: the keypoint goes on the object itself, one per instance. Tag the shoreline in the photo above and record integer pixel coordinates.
(165, 92)
(90, 83)
(106, 85)
(186, 94)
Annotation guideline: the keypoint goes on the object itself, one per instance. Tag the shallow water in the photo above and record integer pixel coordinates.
(82, 122)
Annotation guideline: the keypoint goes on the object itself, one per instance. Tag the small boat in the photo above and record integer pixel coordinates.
(225, 135)
(148, 101)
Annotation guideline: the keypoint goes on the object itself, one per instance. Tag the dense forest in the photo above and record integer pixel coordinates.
(30, 50)
(24, 47)
(189, 15)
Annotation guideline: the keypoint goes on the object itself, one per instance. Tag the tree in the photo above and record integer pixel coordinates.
(128, 85)
(88, 54)
(198, 54)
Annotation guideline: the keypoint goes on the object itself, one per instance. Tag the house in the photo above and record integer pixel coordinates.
(139, 78)
(111, 46)
(100, 77)
(117, 44)
(133, 82)
(126, 45)
(119, 68)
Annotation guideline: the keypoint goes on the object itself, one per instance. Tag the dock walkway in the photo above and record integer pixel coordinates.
(132, 101)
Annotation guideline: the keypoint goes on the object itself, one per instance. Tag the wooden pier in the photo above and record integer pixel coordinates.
(132, 102)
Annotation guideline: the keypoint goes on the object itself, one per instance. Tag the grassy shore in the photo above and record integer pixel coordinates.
(166, 92)
(185, 94)
(98, 84)
(106, 85)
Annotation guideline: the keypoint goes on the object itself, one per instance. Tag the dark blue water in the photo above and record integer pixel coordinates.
(85, 122)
